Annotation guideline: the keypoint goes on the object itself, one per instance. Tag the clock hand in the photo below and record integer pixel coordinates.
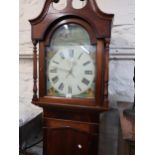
(72, 74)
(71, 71)
(68, 74)
(63, 69)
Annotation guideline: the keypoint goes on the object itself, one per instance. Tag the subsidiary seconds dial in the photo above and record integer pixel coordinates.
(71, 71)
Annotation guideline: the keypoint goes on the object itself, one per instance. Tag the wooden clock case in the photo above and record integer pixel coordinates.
(70, 126)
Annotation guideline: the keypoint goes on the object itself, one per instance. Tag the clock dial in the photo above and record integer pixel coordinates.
(71, 68)
(71, 76)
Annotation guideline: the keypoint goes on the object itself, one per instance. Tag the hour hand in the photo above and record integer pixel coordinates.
(70, 73)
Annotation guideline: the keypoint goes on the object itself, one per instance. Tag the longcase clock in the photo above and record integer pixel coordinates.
(72, 86)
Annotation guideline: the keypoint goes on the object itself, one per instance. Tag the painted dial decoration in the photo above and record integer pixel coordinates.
(70, 63)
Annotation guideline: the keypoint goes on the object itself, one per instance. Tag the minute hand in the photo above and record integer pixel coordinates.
(71, 71)
(63, 69)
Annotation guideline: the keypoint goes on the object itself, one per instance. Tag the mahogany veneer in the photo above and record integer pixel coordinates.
(71, 125)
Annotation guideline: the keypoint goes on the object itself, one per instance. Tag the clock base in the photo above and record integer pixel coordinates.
(69, 132)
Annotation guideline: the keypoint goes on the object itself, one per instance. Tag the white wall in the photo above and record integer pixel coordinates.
(121, 48)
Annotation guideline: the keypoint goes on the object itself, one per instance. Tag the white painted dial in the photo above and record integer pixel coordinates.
(71, 70)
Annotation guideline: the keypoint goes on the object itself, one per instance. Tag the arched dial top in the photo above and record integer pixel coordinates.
(70, 63)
